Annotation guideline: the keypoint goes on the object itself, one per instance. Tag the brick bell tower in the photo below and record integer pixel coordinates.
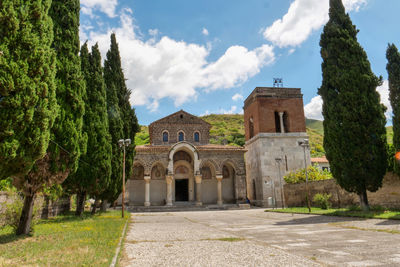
(274, 125)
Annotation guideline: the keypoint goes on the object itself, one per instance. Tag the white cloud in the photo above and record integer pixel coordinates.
(313, 110)
(205, 32)
(232, 110)
(166, 68)
(106, 6)
(237, 97)
(302, 18)
(383, 90)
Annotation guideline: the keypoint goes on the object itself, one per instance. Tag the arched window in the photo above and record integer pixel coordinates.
(197, 137)
(181, 136)
(165, 136)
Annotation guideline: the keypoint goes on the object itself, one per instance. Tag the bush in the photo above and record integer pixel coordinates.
(314, 174)
(322, 200)
(12, 210)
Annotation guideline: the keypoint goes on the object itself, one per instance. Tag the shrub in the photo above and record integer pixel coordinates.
(322, 200)
(11, 212)
(314, 174)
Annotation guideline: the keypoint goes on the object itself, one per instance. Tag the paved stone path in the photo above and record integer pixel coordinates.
(258, 238)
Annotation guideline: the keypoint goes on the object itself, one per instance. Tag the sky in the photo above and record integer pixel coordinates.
(206, 57)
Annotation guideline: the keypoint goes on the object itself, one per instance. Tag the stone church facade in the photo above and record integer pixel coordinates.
(180, 165)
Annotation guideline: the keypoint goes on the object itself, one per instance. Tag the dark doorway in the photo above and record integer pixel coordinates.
(181, 190)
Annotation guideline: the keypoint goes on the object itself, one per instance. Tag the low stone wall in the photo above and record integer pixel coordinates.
(387, 196)
(45, 207)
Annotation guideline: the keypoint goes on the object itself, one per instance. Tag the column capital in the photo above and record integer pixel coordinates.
(147, 179)
(281, 113)
(198, 179)
(219, 177)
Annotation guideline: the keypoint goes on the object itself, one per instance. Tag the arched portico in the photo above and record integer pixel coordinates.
(183, 165)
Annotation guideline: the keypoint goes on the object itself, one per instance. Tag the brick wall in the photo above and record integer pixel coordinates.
(387, 196)
(262, 104)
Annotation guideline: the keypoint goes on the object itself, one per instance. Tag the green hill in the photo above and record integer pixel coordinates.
(229, 130)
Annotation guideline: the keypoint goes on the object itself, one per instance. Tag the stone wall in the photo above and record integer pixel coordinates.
(45, 207)
(261, 166)
(388, 196)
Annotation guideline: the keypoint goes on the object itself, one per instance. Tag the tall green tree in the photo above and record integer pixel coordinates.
(28, 104)
(125, 124)
(93, 174)
(393, 69)
(354, 121)
(67, 139)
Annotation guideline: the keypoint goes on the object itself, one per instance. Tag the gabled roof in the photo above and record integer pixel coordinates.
(181, 117)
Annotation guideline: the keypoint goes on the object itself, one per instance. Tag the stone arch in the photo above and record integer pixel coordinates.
(190, 149)
(230, 163)
(185, 164)
(211, 165)
(229, 173)
(157, 171)
(138, 172)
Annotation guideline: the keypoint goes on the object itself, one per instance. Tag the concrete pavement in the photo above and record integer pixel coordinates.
(257, 238)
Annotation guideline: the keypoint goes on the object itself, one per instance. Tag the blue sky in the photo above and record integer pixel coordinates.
(207, 56)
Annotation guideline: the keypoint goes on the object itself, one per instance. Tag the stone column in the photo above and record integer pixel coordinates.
(147, 191)
(169, 180)
(281, 121)
(191, 188)
(219, 180)
(198, 190)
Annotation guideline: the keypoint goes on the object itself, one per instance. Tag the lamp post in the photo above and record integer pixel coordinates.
(279, 160)
(123, 143)
(305, 144)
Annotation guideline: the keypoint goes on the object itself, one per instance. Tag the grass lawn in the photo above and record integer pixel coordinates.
(65, 241)
(374, 213)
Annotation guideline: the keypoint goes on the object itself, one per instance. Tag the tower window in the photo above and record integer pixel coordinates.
(251, 127)
(286, 122)
(196, 137)
(165, 136)
(277, 122)
(181, 136)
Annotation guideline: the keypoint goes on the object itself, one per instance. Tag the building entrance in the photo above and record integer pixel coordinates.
(181, 190)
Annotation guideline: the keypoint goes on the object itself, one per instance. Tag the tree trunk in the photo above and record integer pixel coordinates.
(94, 206)
(364, 201)
(103, 207)
(80, 205)
(25, 221)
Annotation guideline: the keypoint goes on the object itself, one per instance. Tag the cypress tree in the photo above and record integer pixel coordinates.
(68, 140)
(393, 69)
(354, 121)
(28, 104)
(125, 124)
(93, 174)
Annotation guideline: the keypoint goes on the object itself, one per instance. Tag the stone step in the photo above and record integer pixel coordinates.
(187, 207)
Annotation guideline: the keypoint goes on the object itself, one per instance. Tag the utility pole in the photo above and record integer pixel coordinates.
(123, 143)
(305, 144)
